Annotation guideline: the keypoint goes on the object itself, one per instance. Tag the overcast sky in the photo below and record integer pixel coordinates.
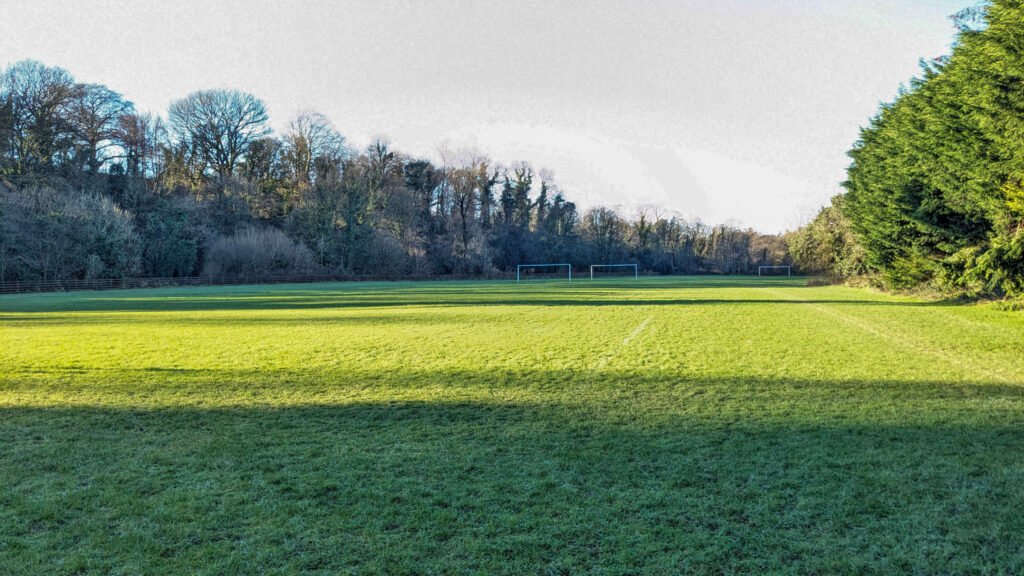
(728, 110)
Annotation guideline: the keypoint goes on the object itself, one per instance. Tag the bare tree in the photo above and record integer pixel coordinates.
(34, 98)
(463, 185)
(94, 112)
(643, 226)
(220, 126)
(606, 231)
(139, 136)
(384, 174)
(311, 137)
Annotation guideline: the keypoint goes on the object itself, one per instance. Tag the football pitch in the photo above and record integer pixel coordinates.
(701, 425)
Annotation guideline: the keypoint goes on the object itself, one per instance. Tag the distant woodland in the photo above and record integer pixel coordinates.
(92, 188)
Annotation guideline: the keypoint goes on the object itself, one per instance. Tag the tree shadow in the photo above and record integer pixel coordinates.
(674, 292)
(613, 386)
(504, 486)
(119, 318)
(158, 304)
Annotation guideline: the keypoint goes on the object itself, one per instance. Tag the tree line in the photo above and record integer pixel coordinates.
(92, 188)
(935, 191)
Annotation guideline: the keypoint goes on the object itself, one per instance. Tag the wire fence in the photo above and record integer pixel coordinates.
(15, 287)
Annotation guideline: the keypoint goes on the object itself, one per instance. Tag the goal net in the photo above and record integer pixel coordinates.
(614, 271)
(543, 271)
(774, 271)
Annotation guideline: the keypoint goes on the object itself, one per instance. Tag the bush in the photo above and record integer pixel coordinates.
(827, 245)
(57, 234)
(257, 252)
(381, 254)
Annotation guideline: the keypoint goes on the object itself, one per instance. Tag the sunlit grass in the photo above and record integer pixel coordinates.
(701, 425)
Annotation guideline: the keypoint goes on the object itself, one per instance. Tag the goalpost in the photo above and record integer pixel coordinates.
(636, 269)
(519, 268)
(761, 269)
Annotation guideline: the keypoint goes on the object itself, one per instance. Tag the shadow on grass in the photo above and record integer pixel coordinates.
(502, 487)
(326, 384)
(384, 300)
(119, 317)
(670, 292)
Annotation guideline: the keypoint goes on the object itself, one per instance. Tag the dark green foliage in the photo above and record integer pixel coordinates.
(172, 233)
(935, 184)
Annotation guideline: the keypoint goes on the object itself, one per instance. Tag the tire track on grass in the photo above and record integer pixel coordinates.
(904, 340)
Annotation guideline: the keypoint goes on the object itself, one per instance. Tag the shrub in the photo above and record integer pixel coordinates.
(827, 245)
(381, 254)
(257, 252)
(56, 234)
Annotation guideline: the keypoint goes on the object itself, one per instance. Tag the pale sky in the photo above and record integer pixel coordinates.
(727, 110)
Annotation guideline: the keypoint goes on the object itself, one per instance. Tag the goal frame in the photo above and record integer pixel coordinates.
(789, 269)
(519, 267)
(635, 267)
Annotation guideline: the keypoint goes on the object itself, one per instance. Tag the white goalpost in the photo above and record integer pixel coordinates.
(761, 269)
(636, 269)
(519, 268)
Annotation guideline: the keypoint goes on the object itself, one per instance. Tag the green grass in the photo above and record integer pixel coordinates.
(683, 425)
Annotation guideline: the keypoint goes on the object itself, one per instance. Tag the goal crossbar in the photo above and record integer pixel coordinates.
(519, 267)
(788, 269)
(636, 269)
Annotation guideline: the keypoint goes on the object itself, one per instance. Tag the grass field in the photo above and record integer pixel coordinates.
(680, 425)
